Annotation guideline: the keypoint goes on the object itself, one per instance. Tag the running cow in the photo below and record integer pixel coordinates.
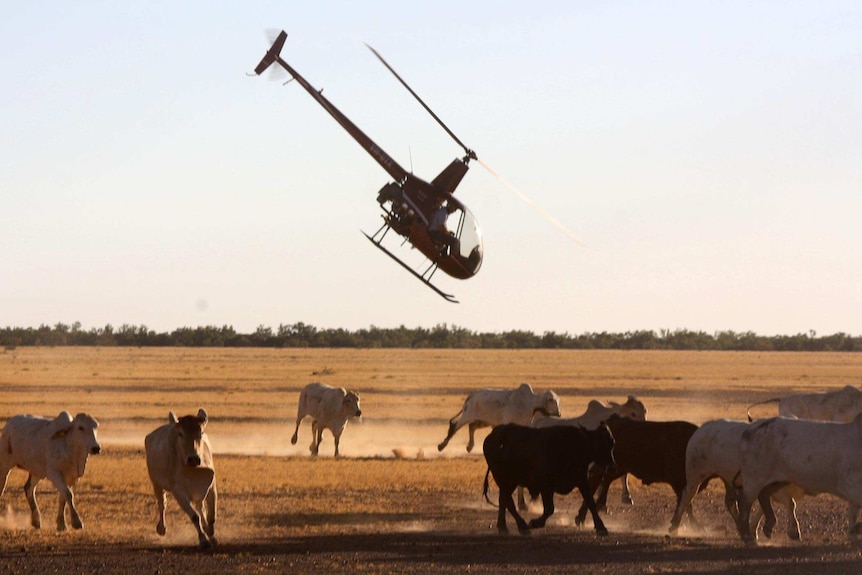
(597, 413)
(714, 450)
(54, 448)
(652, 451)
(816, 456)
(545, 461)
(841, 405)
(490, 407)
(179, 461)
(329, 408)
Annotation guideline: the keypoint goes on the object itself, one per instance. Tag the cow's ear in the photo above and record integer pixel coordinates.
(172, 417)
(202, 417)
(60, 424)
(613, 403)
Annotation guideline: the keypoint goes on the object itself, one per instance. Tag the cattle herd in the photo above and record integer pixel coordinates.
(812, 447)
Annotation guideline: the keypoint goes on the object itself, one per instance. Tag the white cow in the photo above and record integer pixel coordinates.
(714, 450)
(179, 461)
(330, 408)
(817, 456)
(595, 415)
(54, 448)
(490, 407)
(842, 405)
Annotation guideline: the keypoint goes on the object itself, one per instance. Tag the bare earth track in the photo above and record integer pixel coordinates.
(372, 511)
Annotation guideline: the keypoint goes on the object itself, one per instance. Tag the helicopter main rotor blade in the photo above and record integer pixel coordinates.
(470, 153)
(533, 204)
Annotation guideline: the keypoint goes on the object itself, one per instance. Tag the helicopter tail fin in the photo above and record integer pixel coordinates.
(272, 54)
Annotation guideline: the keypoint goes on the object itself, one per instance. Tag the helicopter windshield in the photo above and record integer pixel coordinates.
(470, 239)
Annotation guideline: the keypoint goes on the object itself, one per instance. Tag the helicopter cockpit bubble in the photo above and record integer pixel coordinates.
(469, 236)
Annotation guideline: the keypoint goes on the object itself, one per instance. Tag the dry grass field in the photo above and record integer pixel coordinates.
(371, 511)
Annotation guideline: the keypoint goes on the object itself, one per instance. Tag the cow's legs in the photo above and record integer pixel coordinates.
(626, 497)
(65, 494)
(594, 481)
(792, 522)
(602, 500)
(766, 515)
(547, 509)
(678, 489)
(746, 500)
(186, 505)
(4, 475)
(474, 425)
(160, 502)
(337, 438)
(522, 501)
(315, 438)
(506, 503)
(691, 489)
(30, 493)
(211, 505)
(454, 425)
(295, 435)
(587, 495)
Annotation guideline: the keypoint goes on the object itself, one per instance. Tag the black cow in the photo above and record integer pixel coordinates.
(652, 451)
(545, 461)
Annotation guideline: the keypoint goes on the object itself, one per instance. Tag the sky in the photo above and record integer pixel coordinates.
(708, 155)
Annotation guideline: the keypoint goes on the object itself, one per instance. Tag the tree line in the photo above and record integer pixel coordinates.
(440, 336)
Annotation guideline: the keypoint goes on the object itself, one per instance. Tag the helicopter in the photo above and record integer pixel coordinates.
(425, 214)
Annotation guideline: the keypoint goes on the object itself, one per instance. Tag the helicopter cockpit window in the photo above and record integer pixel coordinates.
(469, 237)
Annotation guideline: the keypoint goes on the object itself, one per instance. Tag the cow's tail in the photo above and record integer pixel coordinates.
(748, 412)
(485, 487)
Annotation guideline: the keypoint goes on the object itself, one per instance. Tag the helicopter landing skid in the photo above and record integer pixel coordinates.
(444, 295)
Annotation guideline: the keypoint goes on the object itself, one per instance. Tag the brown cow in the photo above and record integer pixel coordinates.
(652, 451)
(545, 461)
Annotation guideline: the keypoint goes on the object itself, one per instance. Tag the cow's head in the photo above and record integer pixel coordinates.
(550, 404)
(80, 432)
(602, 446)
(80, 437)
(351, 404)
(190, 432)
(633, 408)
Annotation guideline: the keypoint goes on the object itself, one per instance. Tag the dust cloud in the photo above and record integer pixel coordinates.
(370, 437)
(13, 520)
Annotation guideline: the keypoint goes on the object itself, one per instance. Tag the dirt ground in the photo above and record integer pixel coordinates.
(392, 504)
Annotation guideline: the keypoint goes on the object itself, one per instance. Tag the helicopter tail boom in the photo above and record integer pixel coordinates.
(272, 54)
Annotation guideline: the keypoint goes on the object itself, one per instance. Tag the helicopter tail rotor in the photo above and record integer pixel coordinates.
(272, 54)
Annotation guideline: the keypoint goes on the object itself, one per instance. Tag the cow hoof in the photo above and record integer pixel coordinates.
(77, 524)
(525, 531)
(61, 527)
(206, 544)
(293, 440)
(36, 524)
(603, 532)
(794, 536)
(536, 523)
(441, 447)
(160, 529)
